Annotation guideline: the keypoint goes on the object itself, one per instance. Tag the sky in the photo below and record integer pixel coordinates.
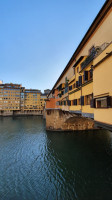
(38, 38)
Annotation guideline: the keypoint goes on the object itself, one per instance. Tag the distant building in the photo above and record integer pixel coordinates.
(32, 99)
(14, 97)
(10, 96)
(47, 91)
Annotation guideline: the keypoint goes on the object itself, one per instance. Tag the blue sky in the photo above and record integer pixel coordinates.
(38, 37)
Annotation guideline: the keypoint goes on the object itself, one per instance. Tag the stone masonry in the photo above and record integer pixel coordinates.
(58, 120)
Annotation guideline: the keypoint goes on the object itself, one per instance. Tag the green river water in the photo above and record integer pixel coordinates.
(40, 165)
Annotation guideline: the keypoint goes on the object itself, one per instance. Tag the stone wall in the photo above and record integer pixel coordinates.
(20, 113)
(63, 120)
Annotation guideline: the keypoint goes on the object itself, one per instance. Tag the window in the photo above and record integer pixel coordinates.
(85, 75)
(68, 102)
(70, 87)
(80, 80)
(66, 89)
(101, 103)
(75, 102)
(62, 92)
(82, 100)
(88, 99)
(104, 102)
(91, 73)
(77, 84)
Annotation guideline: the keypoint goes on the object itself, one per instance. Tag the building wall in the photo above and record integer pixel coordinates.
(14, 97)
(83, 90)
(9, 97)
(87, 90)
(50, 103)
(102, 86)
(102, 75)
(32, 101)
(101, 35)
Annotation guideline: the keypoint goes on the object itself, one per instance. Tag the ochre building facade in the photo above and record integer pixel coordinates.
(84, 87)
(15, 99)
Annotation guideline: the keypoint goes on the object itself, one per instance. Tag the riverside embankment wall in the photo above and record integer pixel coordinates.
(58, 120)
(20, 113)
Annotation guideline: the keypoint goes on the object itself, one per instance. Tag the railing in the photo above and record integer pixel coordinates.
(88, 59)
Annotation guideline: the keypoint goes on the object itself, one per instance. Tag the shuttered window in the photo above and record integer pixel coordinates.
(77, 84)
(93, 103)
(66, 89)
(109, 102)
(75, 102)
(69, 102)
(80, 80)
(62, 92)
(91, 73)
(88, 99)
(82, 100)
(104, 102)
(70, 87)
(85, 75)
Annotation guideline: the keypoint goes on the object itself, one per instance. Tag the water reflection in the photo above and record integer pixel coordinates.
(83, 162)
(40, 165)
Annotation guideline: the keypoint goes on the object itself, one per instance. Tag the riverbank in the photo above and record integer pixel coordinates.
(21, 113)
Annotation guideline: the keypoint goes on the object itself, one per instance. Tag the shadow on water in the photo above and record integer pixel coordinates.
(40, 165)
(84, 160)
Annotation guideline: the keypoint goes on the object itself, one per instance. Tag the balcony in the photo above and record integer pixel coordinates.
(61, 86)
(88, 60)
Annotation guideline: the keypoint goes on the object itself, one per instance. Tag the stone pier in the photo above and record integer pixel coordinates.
(59, 120)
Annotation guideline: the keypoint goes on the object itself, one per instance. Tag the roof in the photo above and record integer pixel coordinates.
(32, 91)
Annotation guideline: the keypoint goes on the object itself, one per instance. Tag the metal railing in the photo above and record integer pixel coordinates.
(88, 59)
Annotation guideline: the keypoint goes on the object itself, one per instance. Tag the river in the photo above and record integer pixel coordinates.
(40, 165)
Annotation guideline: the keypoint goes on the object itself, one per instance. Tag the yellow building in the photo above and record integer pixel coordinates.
(102, 88)
(9, 97)
(15, 99)
(42, 101)
(78, 92)
(75, 87)
(63, 95)
(32, 99)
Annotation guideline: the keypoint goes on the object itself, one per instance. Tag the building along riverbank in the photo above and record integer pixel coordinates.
(84, 86)
(16, 100)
